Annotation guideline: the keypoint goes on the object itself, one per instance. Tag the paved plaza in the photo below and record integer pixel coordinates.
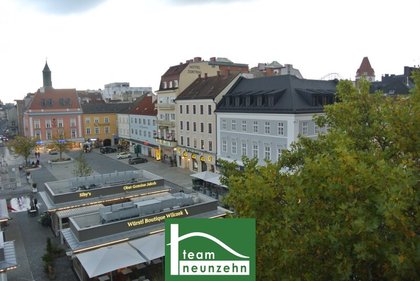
(29, 235)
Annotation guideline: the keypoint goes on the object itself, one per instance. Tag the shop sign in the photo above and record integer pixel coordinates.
(210, 158)
(202, 158)
(193, 156)
(185, 154)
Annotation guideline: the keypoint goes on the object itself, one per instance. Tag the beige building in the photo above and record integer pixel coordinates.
(175, 80)
(196, 121)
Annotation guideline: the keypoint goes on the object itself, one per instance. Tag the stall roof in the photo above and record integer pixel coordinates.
(107, 259)
(8, 260)
(78, 211)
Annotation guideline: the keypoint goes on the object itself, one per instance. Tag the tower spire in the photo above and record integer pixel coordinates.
(46, 76)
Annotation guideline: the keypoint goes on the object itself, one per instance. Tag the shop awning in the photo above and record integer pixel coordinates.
(107, 259)
(152, 247)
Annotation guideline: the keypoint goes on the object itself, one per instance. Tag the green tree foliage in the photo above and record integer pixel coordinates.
(22, 146)
(60, 144)
(81, 168)
(347, 207)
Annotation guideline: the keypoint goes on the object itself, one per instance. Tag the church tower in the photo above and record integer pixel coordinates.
(365, 71)
(46, 76)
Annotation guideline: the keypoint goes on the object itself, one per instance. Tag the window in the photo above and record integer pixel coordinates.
(243, 125)
(106, 119)
(316, 129)
(48, 135)
(72, 122)
(202, 144)
(234, 147)
(96, 120)
(280, 129)
(224, 145)
(60, 123)
(233, 125)
(209, 128)
(210, 145)
(187, 109)
(279, 150)
(37, 124)
(87, 120)
(181, 125)
(96, 130)
(73, 133)
(176, 83)
(201, 109)
(164, 85)
(224, 124)
(243, 149)
(194, 126)
(172, 117)
(106, 130)
(180, 108)
(188, 125)
(194, 109)
(48, 124)
(149, 135)
(202, 127)
(154, 122)
(195, 143)
(137, 132)
(305, 128)
(255, 150)
(144, 121)
(209, 109)
(87, 131)
(267, 152)
(255, 126)
(267, 127)
(148, 122)
(188, 141)
(170, 84)
(182, 140)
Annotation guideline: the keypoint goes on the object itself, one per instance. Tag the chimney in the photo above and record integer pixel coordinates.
(197, 59)
(205, 75)
(213, 59)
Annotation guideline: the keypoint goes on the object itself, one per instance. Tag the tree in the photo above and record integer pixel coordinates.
(60, 144)
(82, 168)
(347, 207)
(22, 146)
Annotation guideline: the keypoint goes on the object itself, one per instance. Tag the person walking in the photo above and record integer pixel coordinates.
(28, 177)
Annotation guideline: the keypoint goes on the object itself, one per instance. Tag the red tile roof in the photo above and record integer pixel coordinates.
(145, 107)
(365, 68)
(55, 99)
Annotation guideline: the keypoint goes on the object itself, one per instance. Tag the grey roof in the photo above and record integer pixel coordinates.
(278, 94)
(206, 87)
(90, 108)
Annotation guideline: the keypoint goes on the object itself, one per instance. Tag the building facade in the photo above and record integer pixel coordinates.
(175, 80)
(143, 127)
(260, 117)
(123, 92)
(196, 121)
(100, 123)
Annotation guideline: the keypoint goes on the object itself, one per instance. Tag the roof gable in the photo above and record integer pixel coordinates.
(54, 99)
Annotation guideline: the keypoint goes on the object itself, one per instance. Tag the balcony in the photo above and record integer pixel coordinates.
(166, 123)
(167, 106)
(168, 142)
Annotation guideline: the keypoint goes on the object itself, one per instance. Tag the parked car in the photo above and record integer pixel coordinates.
(107, 149)
(123, 155)
(137, 160)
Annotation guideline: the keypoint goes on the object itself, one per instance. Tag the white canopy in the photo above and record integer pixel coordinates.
(107, 259)
(208, 177)
(152, 247)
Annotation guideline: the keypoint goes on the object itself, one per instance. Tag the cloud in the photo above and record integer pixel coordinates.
(63, 7)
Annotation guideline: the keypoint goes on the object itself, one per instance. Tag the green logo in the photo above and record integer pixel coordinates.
(209, 249)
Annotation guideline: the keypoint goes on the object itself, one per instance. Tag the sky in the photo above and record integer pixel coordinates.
(90, 43)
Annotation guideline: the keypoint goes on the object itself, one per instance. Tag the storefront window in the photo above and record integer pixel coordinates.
(195, 165)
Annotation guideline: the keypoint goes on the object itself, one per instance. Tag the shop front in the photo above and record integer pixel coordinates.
(195, 160)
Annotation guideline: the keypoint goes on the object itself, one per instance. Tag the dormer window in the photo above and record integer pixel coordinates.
(164, 85)
(259, 100)
(176, 83)
(170, 84)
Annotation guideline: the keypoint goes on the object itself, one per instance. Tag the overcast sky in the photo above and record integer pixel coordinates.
(89, 43)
